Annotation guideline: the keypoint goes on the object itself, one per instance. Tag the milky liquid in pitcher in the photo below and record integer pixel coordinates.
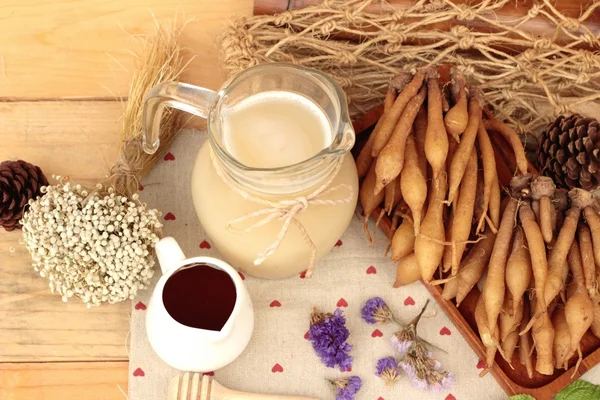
(270, 130)
(274, 129)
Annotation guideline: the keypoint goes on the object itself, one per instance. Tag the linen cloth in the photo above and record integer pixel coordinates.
(279, 359)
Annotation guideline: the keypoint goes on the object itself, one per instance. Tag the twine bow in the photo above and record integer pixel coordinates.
(285, 210)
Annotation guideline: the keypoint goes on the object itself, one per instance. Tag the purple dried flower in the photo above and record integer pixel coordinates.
(419, 383)
(426, 373)
(448, 381)
(402, 341)
(376, 311)
(408, 369)
(328, 335)
(346, 388)
(387, 369)
(405, 339)
(385, 363)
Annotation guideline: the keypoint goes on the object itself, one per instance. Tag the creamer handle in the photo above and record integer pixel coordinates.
(192, 99)
(169, 254)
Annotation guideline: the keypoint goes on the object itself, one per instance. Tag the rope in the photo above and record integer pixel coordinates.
(284, 210)
(514, 67)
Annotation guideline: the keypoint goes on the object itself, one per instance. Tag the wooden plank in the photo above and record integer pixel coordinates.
(35, 325)
(51, 381)
(75, 138)
(79, 139)
(81, 48)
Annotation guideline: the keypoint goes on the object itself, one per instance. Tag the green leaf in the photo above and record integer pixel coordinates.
(580, 390)
(521, 397)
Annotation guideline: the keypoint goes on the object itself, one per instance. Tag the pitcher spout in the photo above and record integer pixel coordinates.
(344, 140)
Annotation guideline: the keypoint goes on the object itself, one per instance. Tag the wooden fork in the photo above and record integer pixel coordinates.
(194, 386)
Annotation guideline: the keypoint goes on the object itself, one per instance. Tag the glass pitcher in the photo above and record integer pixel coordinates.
(275, 186)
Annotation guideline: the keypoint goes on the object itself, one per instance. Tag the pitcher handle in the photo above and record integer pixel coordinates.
(182, 96)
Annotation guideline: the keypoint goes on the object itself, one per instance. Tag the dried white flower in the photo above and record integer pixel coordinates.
(98, 248)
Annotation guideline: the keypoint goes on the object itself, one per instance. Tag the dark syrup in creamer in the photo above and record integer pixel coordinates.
(200, 296)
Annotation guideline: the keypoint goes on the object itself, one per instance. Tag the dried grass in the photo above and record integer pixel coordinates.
(161, 60)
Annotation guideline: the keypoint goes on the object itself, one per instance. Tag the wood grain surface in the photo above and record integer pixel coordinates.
(64, 381)
(63, 64)
(82, 48)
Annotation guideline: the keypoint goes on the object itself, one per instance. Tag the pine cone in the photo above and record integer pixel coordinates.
(19, 182)
(569, 152)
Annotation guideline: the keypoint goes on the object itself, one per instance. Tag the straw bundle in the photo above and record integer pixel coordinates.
(161, 61)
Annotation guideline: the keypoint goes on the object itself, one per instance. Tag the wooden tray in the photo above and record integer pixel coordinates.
(513, 381)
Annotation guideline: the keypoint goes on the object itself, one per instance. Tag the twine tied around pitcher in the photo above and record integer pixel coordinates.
(285, 210)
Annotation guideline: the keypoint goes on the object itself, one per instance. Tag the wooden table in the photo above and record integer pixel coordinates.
(63, 64)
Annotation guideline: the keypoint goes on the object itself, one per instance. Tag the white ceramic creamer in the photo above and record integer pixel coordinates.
(190, 348)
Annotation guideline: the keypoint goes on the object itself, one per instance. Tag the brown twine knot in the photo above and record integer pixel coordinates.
(344, 82)
(528, 55)
(582, 78)
(589, 59)
(562, 85)
(465, 12)
(347, 58)
(533, 76)
(590, 39)
(562, 109)
(542, 44)
(350, 15)
(396, 38)
(518, 84)
(398, 15)
(466, 42)
(434, 5)
(247, 42)
(459, 30)
(571, 24)
(393, 27)
(327, 28)
(507, 94)
(392, 48)
(534, 10)
(467, 70)
(284, 18)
